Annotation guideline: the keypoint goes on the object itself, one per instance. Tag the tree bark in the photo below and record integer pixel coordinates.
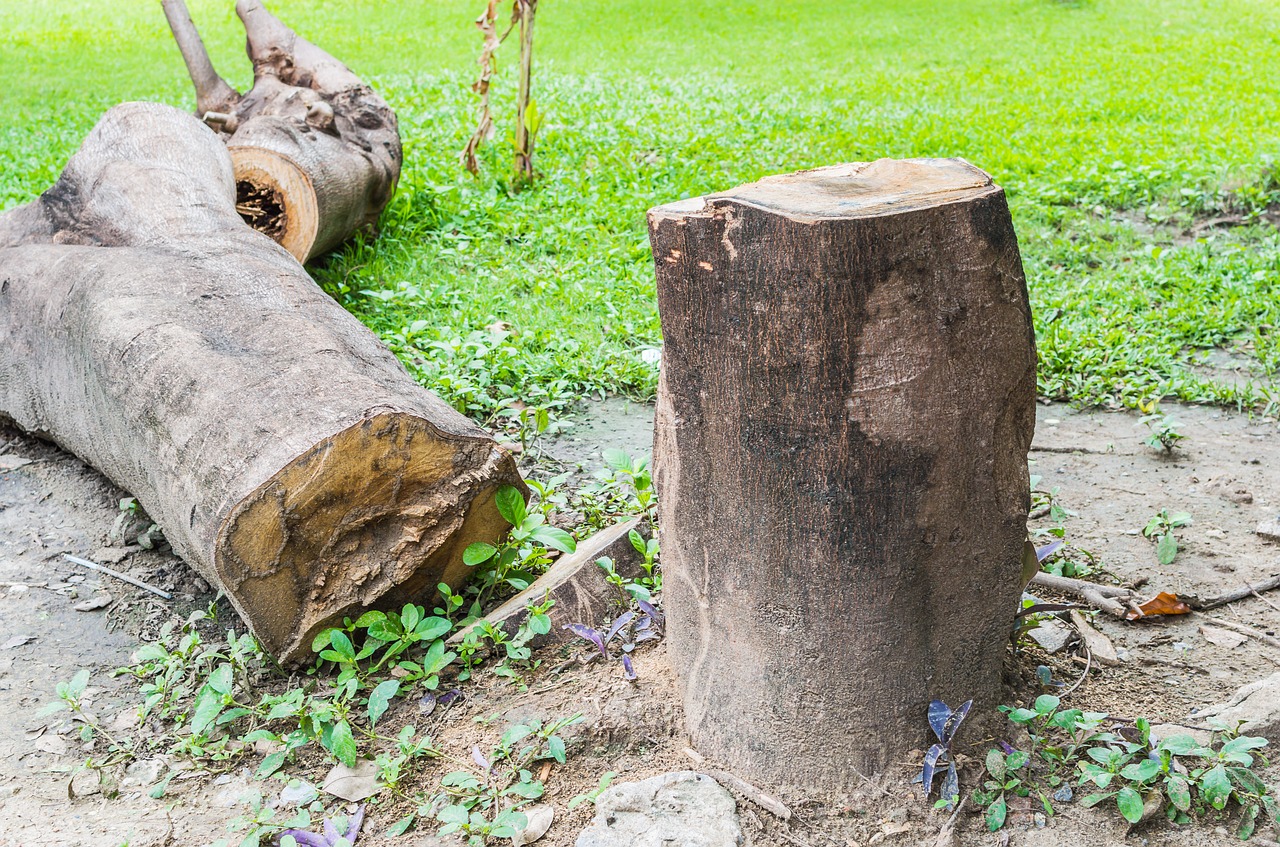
(844, 412)
(286, 453)
(316, 150)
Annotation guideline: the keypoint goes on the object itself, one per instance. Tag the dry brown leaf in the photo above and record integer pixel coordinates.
(352, 784)
(1222, 637)
(1164, 603)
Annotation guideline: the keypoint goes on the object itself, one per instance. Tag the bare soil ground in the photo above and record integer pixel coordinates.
(1224, 476)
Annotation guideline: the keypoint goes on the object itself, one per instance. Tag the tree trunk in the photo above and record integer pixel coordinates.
(844, 413)
(316, 150)
(284, 450)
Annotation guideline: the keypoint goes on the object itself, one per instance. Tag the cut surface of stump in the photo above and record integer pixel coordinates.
(285, 451)
(844, 411)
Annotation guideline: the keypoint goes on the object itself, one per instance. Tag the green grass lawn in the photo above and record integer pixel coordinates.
(1112, 124)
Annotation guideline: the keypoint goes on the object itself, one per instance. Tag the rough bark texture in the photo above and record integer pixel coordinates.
(287, 454)
(316, 150)
(844, 413)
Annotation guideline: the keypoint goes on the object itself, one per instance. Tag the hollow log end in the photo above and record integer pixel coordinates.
(375, 516)
(275, 196)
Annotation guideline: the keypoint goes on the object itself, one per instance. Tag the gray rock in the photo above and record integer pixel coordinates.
(1052, 635)
(1269, 530)
(681, 809)
(1256, 704)
(142, 773)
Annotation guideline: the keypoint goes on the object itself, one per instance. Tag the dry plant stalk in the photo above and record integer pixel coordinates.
(527, 120)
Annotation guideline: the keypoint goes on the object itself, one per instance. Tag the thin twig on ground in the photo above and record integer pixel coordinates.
(1232, 596)
(1045, 448)
(1263, 599)
(1102, 597)
(94, 566)
(769, 803)
(1088, 665)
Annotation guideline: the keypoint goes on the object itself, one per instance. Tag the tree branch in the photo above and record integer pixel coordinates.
(213, 93)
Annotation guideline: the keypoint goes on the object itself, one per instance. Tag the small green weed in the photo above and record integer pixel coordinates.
(623, 487)
(1164, 433)
(211, 696)
(486, 804)
(1161, 527)
(516, 561)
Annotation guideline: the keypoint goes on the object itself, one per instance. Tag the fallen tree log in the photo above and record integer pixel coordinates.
(286, 453)
(316, 151)
(845, 405)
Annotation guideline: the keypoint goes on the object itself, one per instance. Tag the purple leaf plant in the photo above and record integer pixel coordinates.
(330, 835)
(944, 721)
(628, 629)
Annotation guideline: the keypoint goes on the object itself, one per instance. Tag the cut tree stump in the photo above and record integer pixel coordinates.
(844, 411)
(285, 451)
(316, 150)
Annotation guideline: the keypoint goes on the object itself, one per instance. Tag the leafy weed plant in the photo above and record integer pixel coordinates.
(1072, 750)
(1161, 528)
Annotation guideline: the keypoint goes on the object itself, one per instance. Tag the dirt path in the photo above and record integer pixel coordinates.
(1224, 475)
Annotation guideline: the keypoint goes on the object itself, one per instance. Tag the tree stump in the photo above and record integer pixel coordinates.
(285, 451)
(846, 403)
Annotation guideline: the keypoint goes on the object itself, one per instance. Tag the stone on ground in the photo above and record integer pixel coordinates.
(1269, 530)
(681, 809)
(1255, 706)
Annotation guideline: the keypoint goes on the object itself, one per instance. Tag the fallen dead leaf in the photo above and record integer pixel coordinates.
(352, 784)
(125, 719)
(540, 818)
(12, 462)
(1164, 603)
(17, 641)
(891, 828)
(54, 744)
(1222, 637)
